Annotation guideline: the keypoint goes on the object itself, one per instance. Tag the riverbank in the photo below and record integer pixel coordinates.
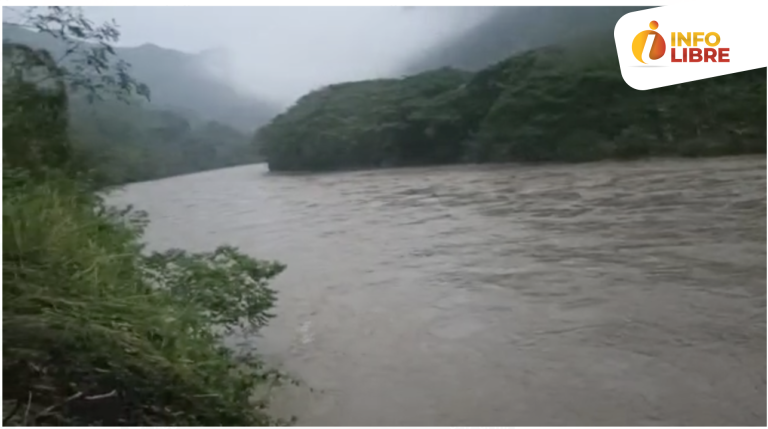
(97, 331)
(89, 338)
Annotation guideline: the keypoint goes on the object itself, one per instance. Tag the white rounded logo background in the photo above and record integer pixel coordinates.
(741, 27)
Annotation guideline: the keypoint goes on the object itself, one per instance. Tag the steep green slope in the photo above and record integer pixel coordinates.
(550, 104)
(134, 143)
(361, 124)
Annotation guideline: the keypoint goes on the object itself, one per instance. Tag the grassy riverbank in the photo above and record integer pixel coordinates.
(88, 338)
(96, 331)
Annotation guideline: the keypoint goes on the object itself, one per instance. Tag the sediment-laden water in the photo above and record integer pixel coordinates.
(594, 294)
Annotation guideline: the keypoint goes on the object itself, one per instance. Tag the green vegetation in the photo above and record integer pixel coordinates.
(192, 123)
(132, 143)
(364, 124)
(561, 103)
(95, 330)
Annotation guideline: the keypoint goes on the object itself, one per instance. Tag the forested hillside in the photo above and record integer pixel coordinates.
(558, 103)
(134, 143)
(189, 122)
(362, 124)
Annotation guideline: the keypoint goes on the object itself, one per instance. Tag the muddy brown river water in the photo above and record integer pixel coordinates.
(594, 294)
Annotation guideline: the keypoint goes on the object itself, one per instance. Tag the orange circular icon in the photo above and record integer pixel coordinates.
(658, 46)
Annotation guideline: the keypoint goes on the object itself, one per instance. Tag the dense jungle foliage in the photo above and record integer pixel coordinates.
(556, 103)
(97, 331)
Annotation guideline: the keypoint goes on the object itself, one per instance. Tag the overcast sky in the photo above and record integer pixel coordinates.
(283, 52)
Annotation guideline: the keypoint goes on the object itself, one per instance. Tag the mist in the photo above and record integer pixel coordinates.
(281, 53)
(242, 66)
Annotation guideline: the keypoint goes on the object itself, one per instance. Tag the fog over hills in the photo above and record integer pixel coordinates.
(179, 81)
(243, 65)
(281, 53)
(508, 30)
(218, 75)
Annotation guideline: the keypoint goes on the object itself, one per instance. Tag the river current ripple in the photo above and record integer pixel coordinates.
(595, 294)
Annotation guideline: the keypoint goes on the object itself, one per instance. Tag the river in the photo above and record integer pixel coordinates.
(593, 294)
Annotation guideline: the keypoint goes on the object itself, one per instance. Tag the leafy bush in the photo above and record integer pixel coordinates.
(89, 338)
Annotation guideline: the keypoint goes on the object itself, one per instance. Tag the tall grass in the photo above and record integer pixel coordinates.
(95, 332)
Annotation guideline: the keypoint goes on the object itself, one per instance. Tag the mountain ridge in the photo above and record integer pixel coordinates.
(177, 79)
(512, 30)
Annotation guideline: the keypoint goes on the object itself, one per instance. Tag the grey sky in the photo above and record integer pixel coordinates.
(283, 52)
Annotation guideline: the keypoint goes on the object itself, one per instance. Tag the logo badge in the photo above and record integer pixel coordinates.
(670, 45)
(649, 42)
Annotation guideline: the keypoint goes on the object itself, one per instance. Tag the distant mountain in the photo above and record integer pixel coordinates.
(194, 122)
(179, 81)
(510, 30)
